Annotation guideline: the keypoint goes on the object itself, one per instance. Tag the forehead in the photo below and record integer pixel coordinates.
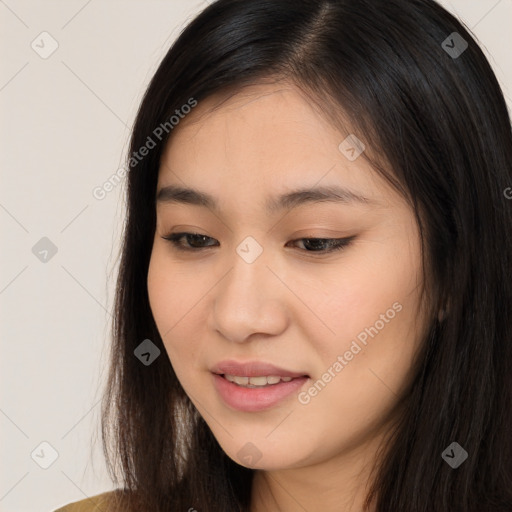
(266, 135)
(283, 106)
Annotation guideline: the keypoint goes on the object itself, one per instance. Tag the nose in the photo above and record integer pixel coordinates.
(250, 299)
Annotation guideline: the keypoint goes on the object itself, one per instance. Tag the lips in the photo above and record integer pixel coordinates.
(257, 399)
(253, 369)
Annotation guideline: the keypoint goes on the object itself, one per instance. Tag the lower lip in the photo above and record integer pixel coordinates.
(255, 399)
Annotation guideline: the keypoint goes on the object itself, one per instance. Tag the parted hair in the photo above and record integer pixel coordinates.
(437, 128)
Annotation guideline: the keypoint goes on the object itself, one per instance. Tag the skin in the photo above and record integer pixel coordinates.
(290, 307)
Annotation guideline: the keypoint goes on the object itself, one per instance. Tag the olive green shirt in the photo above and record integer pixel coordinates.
(98, 503)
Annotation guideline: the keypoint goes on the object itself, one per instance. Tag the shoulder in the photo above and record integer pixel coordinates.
(97, 503)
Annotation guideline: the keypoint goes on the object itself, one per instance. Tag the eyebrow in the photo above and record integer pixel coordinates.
(287, 201)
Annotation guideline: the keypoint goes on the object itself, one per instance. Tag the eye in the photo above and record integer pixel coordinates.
(197, 240)
(330, 244)
(176, 239)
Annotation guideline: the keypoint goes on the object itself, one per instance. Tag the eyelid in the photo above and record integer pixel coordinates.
(336, 244)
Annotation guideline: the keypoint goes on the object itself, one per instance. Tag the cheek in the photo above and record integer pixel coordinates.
(372, 314)
(161, 292)
(376, 287)
(172, 292)
(172, 298)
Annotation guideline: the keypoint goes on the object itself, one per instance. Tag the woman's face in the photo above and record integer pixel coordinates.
(260, 291)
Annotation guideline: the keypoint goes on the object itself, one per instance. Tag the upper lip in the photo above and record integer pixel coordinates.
(253, 369)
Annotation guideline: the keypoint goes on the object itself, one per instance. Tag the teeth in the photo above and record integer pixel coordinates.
(242, 381)
(256, 381)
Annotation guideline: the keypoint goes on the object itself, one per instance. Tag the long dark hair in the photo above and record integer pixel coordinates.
(438, 119)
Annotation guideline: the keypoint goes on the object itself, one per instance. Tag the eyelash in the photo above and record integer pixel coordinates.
(336, 244)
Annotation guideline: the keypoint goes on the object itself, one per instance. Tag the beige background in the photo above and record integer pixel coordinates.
(64, 131)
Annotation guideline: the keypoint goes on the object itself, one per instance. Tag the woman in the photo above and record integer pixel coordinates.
(314, 300)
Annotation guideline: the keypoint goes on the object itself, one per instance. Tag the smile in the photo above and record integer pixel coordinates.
(253, 382)
(255, 394)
